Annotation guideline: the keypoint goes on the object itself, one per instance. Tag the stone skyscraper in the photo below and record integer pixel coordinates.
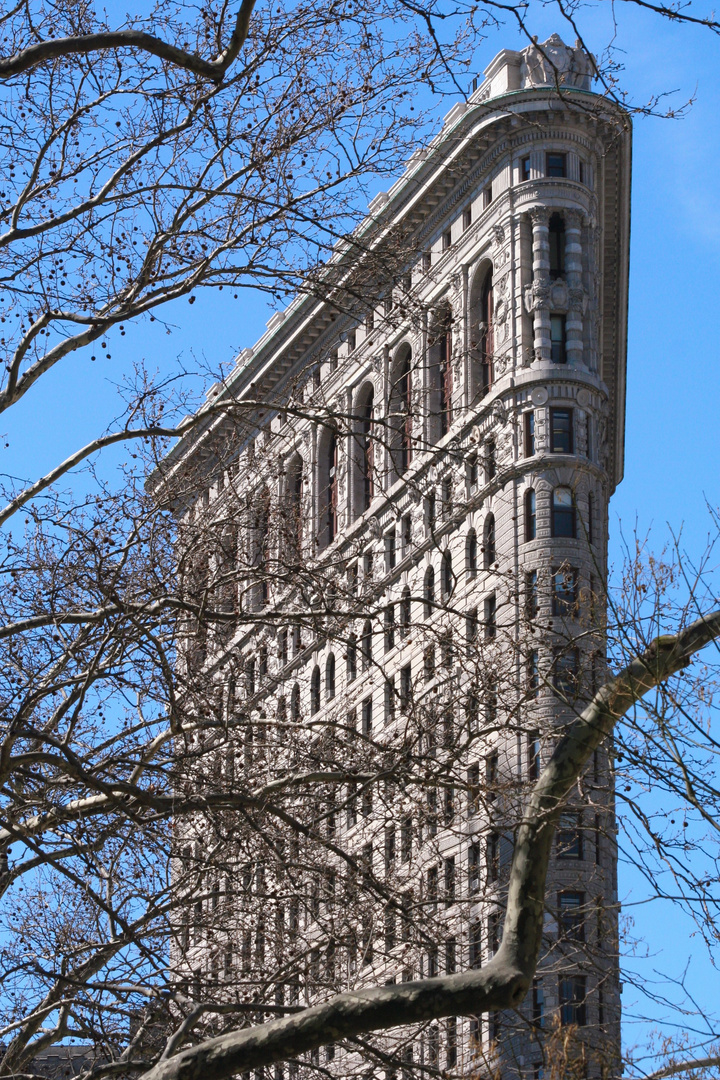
(407, 512)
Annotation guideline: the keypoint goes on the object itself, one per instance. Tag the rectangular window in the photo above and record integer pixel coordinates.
(389, 551)
(431, 890)
(569, 836)
(531, 594)
(449, 873)
(533, 674)
(571, 997)
(533, 755)
(432, 812)
(430, 512)
(556, 164)
(472, 710)
(389, 628)
(467, 217)
(405, 687)
(538, 1004)
(490, 616)
(446, 240)
(471, 626)
(473, 789)
(406, 840)
(426, 261)
(491, 774)
(566, 672)
(451, 1046)
(529, 431)
(473, 867)
(472, 472)
(406, 535)
(525, 169)
(561, 431)
(571, 918)
(451, 956)
(475, 945)
(558, 339)
(495, 921)
(487, 196)
(352, 341)
(564, 591)
(367, 717)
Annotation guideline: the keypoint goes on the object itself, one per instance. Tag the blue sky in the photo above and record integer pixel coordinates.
(673, 397)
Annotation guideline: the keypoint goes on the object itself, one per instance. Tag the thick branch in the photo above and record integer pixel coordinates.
(504, 981)
(85, 44)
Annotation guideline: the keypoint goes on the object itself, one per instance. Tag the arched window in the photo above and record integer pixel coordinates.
(405, 612)
(351, 664)
(367, 447)
(401, 411)
(489, 542)
(389, 634)
(295, 704)
(530, 515)
(293, 516)
(429, 591)
(471, 552)
(447, 578)
(563, 512)
(363, 452)
(487, 339)
(315, 690)
(557, 246)
(328, 453)
(330, 677)
(441, 376)
(366, 645)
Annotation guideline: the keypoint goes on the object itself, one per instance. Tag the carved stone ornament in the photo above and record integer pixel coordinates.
(374, 528)
(553, 62)
(559, 296)
(537, 295)
(475, 434)
(501, 310)
(583, 397)
(306, 436)
(500, 367)
(500, 286)
(499, 409)
(539, 395)
(578, 300)
(498, 234)
(540, 215)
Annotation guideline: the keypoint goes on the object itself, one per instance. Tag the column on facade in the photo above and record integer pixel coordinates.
(540, 218)
(573, 276)
(314, 489)
(425, 383)
(456, 299)
(386, 434)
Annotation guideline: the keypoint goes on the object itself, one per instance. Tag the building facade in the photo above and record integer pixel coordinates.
(401, 527)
